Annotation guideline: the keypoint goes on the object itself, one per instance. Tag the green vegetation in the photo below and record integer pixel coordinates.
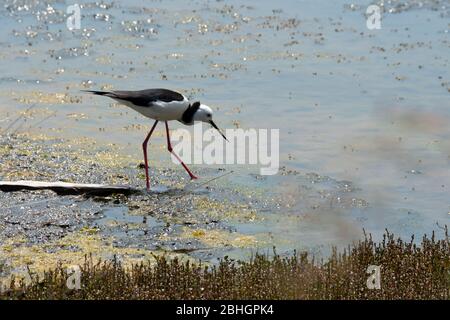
(408, 271)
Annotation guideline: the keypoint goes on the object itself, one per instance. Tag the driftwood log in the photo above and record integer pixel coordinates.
(65, 188)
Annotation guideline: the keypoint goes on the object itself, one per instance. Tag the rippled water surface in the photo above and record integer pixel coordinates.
(363, 114)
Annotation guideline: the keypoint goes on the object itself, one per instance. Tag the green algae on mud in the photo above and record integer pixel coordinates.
(40, 229)
(20, 257)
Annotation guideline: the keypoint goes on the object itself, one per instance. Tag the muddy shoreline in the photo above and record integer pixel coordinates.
(202, 221)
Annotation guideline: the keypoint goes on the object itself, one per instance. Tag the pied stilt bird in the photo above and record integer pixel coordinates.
(162, 105)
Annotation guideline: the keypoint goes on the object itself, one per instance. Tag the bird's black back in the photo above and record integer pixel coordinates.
(143, 98)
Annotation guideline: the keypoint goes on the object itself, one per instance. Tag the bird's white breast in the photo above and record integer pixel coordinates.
(163, 111)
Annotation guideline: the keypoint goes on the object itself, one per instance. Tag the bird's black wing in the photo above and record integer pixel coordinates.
(143, 98)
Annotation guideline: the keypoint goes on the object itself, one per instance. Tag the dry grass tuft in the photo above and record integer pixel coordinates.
(408, 271)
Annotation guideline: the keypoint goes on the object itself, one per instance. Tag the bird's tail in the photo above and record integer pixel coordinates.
(100, 93)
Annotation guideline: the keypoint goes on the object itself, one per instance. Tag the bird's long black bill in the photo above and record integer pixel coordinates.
(217, 128)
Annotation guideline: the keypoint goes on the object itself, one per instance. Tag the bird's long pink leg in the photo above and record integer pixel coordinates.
(169, 147)
(144, 147)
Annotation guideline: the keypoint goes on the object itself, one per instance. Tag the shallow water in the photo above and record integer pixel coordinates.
(367, 107)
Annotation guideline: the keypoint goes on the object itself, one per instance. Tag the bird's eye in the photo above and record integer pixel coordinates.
(209, 116)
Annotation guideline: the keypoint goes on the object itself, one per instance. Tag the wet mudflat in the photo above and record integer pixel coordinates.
(199, 220)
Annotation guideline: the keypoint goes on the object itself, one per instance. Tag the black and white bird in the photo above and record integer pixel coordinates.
(162, 105)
